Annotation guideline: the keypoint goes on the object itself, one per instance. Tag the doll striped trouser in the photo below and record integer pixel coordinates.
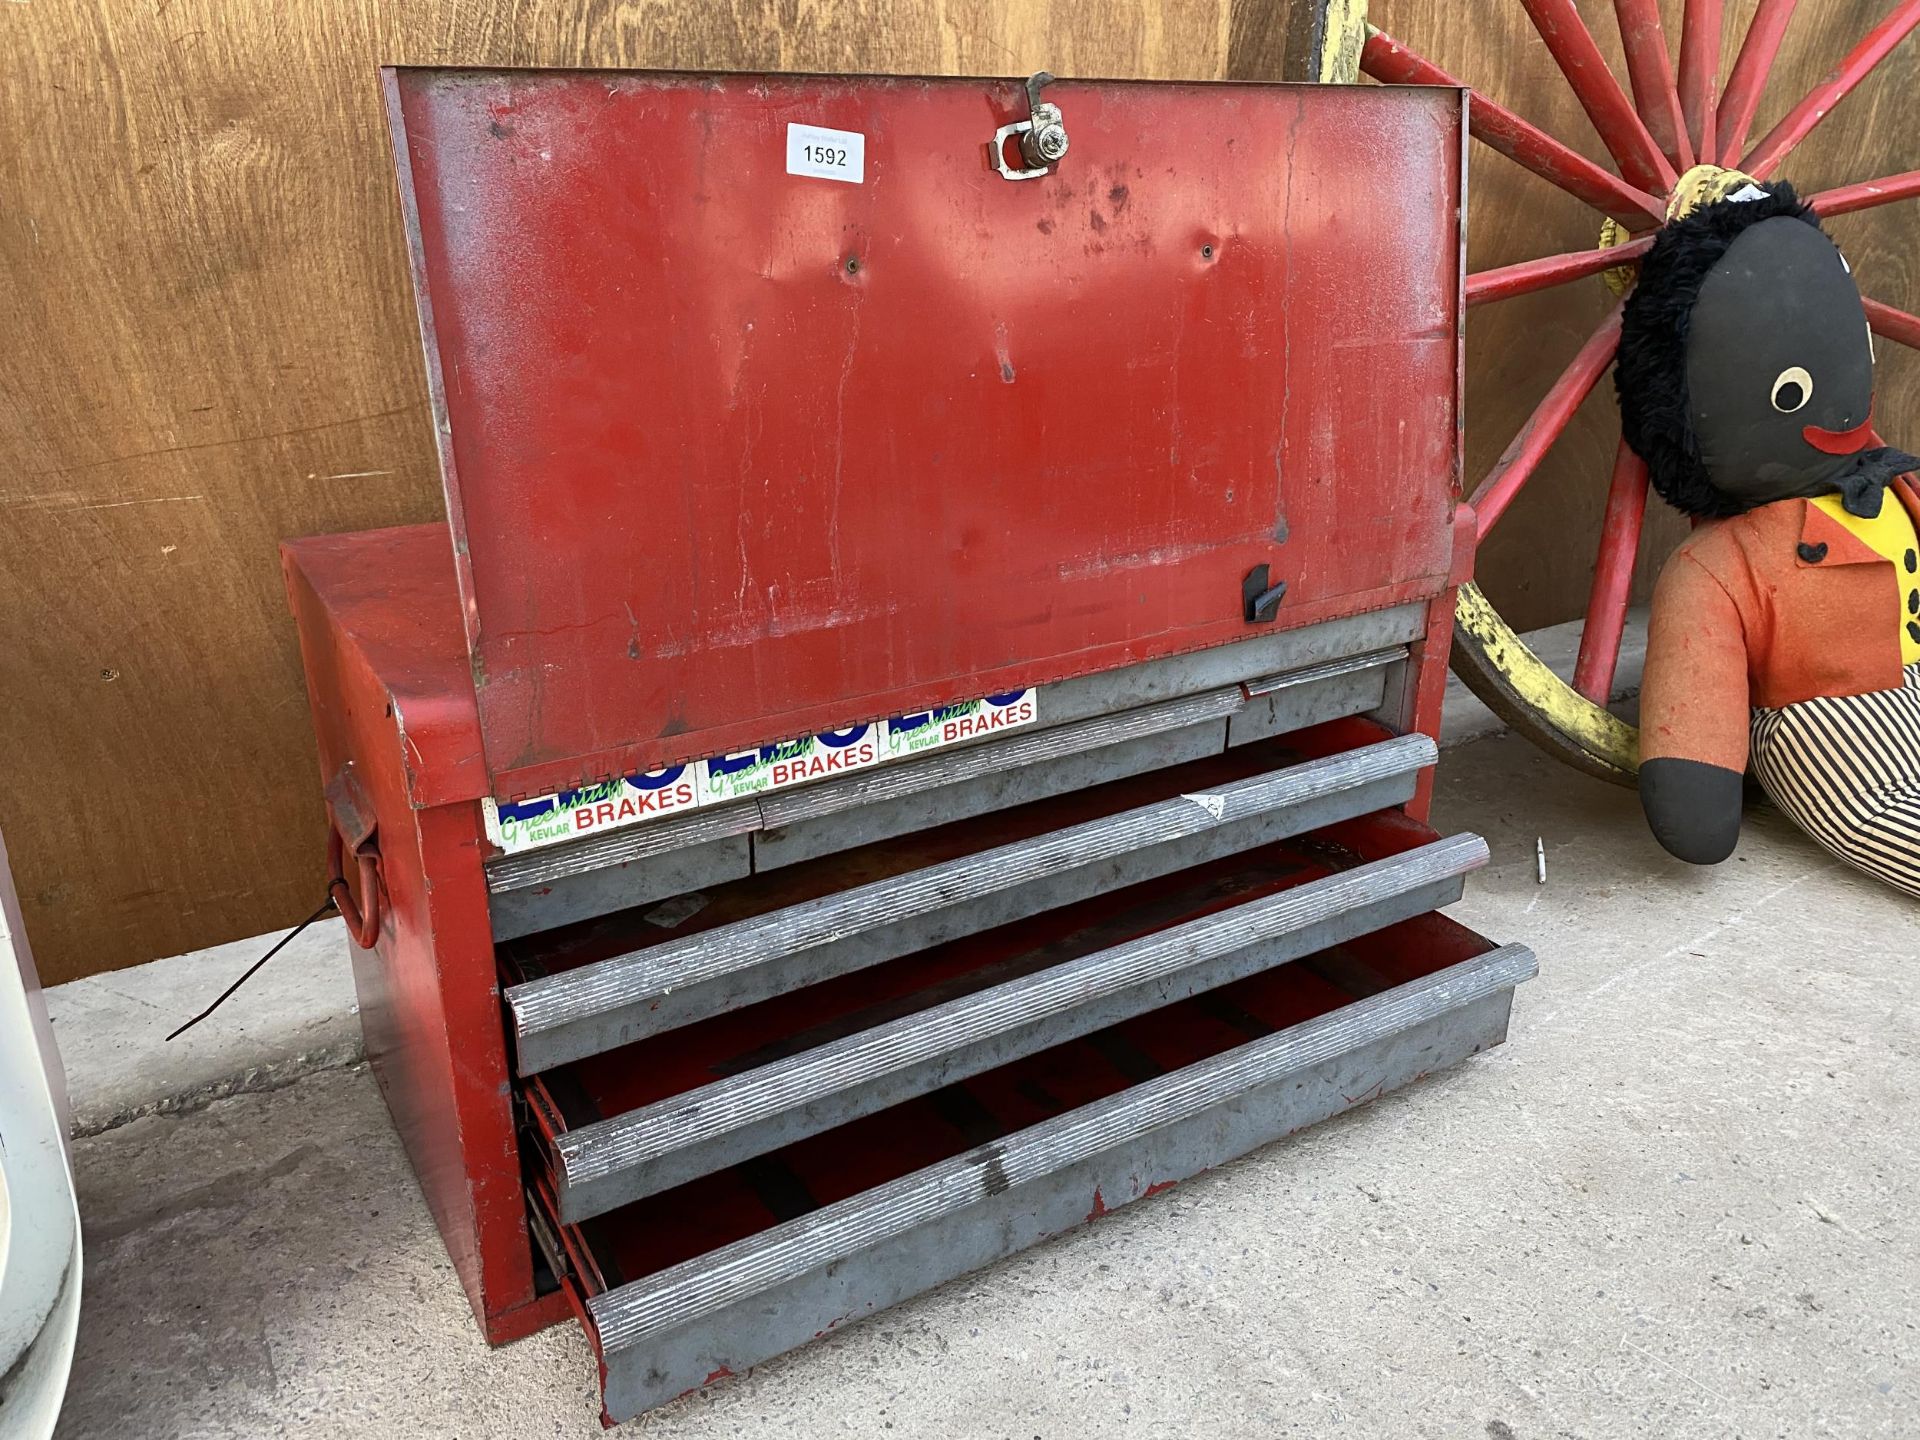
(1847, 770)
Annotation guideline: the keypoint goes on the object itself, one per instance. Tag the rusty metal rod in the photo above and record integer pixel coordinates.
(1550, 417)
(1865, 194)
(1839, 83)
(1386, 59)
(1751, 67)
(362, 916)
(1650, 72)
(1606, 619)
(1530, 275)
(1700, 73)
(1896, 325)
(1573, 49)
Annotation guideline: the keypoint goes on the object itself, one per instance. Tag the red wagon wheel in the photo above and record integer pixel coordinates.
(1679, 140)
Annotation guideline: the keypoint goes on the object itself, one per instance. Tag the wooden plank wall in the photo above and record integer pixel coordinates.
(211, 346)
(1537, 565)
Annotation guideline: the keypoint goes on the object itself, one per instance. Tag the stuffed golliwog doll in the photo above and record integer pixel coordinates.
(1786, 629)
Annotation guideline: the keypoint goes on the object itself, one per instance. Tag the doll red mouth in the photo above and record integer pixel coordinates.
(1841, 442)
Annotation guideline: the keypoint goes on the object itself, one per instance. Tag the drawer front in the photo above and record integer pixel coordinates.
(626, 997)
(719, 1312)
(1089, 730)
(858, 1076)
(625, 1157)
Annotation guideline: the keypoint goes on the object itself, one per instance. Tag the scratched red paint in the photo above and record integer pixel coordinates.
(734, 454)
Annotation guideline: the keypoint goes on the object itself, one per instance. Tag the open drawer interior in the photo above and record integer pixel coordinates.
(602, 984)
(718, 1190)
(662, 1230)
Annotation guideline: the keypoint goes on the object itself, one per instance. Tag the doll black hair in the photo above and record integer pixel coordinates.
(1650, 375)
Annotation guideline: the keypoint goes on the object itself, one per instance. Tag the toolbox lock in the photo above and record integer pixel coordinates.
(1260, 596)
(351, 826)
(1042, 136)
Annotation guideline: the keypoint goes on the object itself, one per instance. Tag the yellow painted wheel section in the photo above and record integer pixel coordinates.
(1496, 665)
(1488, 656)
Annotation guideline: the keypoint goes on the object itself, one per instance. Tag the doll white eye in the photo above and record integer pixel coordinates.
(1792, 388)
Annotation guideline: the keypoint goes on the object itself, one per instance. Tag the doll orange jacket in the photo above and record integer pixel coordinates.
(1769, 608)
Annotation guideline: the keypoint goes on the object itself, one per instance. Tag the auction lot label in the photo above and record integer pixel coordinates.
(631, 799)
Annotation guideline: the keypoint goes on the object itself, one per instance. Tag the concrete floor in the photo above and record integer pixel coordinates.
(1678, 1203)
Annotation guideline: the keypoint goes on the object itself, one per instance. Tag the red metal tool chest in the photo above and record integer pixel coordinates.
(920, 730)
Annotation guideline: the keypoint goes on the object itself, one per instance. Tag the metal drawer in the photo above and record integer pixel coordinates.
(960, 1142)
(1193, 813)
(682, 1137)
(1094, 729)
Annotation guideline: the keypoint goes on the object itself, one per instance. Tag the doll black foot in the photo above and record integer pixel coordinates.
(1693, 808)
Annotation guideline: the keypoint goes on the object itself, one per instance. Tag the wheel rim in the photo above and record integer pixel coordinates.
(1679, 141)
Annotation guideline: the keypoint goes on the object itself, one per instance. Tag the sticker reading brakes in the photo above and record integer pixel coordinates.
(827, 154)
(630, 799)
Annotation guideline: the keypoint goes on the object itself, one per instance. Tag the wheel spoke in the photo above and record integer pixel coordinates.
(1896, 325)
(1650, 72)
(1750, 70)
(1837, 85)
(1530, 275)
(1863, 196)
(1571, 45)
(1386, 59)
(1550, 417)
(1700, 72)
(1606, 621)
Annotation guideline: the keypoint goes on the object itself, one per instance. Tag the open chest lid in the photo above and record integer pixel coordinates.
(768, 405)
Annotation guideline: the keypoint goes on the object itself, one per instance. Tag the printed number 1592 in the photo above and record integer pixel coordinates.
(826, 155)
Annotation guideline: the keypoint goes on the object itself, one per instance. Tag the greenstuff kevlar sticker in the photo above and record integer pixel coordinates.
(932, 729)
(720, 779)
